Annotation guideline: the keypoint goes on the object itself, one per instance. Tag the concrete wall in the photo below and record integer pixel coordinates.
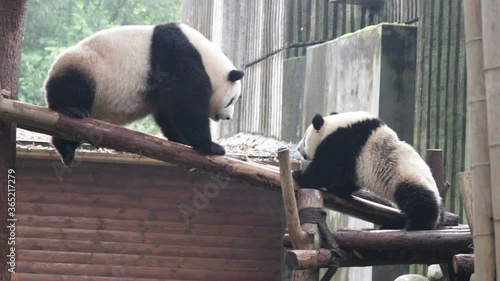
(259, 35)
(372, 69)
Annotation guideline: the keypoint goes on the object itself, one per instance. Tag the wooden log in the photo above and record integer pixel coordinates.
(463, 266)
(465, 180)
(304, 259)
(145, 226)
(307, 259)
(134, 248)
(305, 236)
(146, 260)
(139, 272)
(458, 240)
(142, 214)
(484, 240)
(387, 217)
(309, 198)
(4, 93)
(59, 277)
(145, 237)
(435, 162)
(299, 238)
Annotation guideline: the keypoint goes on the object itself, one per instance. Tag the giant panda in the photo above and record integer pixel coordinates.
(122, 74)
(355, 149)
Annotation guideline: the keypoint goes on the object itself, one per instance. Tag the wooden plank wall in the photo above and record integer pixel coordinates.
(440, 118)
(107, 222)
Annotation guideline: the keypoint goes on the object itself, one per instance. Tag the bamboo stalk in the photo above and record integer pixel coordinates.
(465, 180)
(491, 48)
(481, 180)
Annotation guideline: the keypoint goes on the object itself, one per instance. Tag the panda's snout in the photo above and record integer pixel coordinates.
(220, 116)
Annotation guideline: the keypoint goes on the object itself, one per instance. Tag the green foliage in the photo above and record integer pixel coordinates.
(52, 26)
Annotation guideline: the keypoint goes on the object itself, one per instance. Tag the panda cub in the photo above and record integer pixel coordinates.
(355, 149)
(122, 74)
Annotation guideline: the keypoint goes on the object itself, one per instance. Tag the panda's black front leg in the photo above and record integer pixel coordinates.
(311, 177)
(166, 127)
(188, 126)
(194, 130)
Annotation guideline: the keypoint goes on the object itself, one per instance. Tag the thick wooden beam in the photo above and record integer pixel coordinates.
(304, 259)
(453, 239)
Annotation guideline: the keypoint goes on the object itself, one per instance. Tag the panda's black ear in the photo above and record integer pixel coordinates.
(318, 122)
(235, 75)
(334, 113)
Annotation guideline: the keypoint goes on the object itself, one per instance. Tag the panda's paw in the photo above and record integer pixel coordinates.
(75, 112)
(216, 149)
(212, 149)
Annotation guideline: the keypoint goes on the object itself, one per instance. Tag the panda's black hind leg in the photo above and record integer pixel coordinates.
(75, 112)
(71, 94)
(419, 204)
(66, 149)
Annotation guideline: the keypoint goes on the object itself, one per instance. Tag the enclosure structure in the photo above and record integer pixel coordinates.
(126, 217)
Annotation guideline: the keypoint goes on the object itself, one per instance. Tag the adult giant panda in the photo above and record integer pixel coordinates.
(355, 149)
(122, 74)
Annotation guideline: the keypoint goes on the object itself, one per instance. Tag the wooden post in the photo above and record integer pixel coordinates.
(11, 33)
(435, 162)
(484, 245)
(463, 266)
(298, 237)
(491, 48)
(305, 236)
(465, 180)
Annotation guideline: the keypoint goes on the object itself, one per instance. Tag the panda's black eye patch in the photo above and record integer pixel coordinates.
(230, 102)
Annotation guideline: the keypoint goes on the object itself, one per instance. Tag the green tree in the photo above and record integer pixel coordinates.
(52, 26)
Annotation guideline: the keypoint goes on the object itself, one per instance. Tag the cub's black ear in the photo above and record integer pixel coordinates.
(318, 122)
(235, 75)
(334, 113)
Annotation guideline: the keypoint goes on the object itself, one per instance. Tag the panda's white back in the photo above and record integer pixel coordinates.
(385, 161)
(120, 95)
